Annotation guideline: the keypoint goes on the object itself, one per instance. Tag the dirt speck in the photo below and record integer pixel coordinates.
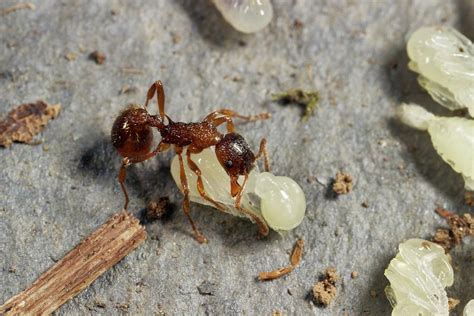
(98, 57)
(459, 227)
(25, 121)
(354, 274)
(325, 290)
(128, 89)
(342, 183)
(123, 307)
(157, 209)
(364, 204)
(298, 24)
(71, 56)
(207, 288)
(99, 304)
(175, 37)
(452, 303)
(469, 198)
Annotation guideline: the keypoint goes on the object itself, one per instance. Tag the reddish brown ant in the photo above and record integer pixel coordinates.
(132, 136)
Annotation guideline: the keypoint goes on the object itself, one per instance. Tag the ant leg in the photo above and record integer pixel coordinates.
(200, 184)
(121, 178)
(184, 183)
(157, 87)
(128, 161)
(263, 150)
(262, 226)
(230, 113)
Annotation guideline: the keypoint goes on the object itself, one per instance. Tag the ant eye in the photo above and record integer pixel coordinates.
(228, 164)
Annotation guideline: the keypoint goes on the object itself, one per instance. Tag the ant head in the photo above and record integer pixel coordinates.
(235, 155)
(131, 134)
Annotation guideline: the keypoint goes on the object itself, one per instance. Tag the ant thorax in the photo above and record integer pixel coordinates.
(278, 201)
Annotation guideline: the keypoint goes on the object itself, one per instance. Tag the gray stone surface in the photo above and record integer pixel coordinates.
(54, 194)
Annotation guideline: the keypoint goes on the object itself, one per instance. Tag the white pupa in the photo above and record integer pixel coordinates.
(444, 58)
(469, 309)
(418, 276)
(247, 16)
(278, 201)
(452, 137)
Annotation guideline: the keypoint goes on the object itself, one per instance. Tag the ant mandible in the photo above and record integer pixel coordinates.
(132, 136)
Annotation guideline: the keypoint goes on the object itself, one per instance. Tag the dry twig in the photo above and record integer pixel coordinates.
(16, 7)
(294, 261)
(79, 268)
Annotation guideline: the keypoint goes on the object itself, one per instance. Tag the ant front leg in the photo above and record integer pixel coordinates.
(184, 184)
(200, 184)
(128, 161)
(157, 87)
(262, 226)
(263, 151)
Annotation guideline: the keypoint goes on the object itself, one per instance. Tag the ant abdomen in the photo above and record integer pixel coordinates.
(131, 136)
(235, 155)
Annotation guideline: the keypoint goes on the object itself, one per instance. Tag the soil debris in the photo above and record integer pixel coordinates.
(452, 303)
(469, 198)
(364, 205)
(308, 99)
(71, 56)
(99, 304)
(157, 209)
(18, 6)
(298, 24)
(25, 121)
(342, 183)
(98, 57)
(295, 259)
(459, 227)
(325, 290)
(207, 288)
(354, 275)
(175, 37)
(443, 238)
(123, 307)
(128, 89)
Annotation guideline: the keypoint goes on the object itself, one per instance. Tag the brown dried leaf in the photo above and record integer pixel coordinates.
(25, 121)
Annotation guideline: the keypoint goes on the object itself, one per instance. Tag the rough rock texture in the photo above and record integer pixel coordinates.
(352, 52)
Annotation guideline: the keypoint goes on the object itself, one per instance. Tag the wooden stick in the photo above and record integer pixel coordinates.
(80, 267)
(294, 262)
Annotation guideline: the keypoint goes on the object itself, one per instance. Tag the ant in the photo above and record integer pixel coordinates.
(132, 136)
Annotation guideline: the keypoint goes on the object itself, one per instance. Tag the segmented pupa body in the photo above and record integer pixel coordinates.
(452, 137)
(444, 60)
(418, 276)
